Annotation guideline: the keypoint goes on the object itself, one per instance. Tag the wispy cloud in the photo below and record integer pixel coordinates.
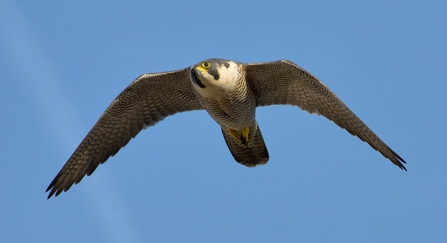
(41, 79)
(113, 212)
(42, 82)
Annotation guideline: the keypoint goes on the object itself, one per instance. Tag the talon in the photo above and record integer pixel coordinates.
(240, 136)
(245, 132)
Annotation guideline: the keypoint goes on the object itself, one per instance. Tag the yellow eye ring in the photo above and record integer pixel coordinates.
(205, 64)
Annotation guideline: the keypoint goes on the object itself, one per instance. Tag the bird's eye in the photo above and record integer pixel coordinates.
(205, 64)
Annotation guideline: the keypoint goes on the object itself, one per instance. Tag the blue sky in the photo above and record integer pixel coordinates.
(62, 63)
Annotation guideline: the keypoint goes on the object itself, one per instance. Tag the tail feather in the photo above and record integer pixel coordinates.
(249, 154)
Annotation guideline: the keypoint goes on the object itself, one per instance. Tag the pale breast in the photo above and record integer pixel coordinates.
(236, 110)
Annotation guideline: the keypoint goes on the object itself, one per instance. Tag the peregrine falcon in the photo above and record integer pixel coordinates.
(229, 91)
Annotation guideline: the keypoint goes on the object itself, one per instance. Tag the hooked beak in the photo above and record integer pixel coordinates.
(200, 70)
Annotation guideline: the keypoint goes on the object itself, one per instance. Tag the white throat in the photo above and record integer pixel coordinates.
(228, 79)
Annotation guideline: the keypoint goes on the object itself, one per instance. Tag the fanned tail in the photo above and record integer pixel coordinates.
(249, 154)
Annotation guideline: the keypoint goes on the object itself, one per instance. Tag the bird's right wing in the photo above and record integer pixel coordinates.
(286, 83)
(146, 101)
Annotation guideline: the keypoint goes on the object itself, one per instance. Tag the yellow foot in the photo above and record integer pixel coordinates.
(241, 136)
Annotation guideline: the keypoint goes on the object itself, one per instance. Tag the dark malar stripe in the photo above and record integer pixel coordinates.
(196, 80)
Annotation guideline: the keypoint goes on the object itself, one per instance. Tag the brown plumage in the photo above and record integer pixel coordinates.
(294, 86)
(212, 85)
(146, 101)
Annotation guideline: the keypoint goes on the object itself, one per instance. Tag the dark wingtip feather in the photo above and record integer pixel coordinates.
(402, 167)
(398, 160)
(51, 187)
(51, 193)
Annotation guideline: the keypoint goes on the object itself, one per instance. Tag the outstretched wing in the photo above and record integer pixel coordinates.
(146, 101)
(284, 82)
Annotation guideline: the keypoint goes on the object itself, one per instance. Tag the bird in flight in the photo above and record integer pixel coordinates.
(230, 92)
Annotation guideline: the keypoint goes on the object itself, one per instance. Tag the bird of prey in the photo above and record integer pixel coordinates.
(230, 92)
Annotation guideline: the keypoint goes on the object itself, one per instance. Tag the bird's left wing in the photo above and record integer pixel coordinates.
(146, 101)
(284, 82)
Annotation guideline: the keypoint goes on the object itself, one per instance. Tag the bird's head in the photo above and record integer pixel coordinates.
(213, 76)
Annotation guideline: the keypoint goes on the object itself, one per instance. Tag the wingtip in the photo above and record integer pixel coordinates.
(49, 195)
(402, 167)
(399, 161)
(51, 187)
(54, 192)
